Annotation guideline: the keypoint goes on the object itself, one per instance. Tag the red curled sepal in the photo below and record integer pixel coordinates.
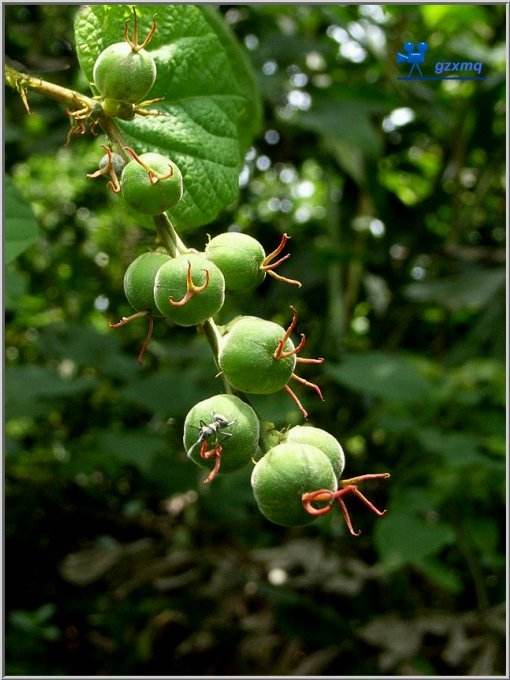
(153, 176)
(281, 353)
(206, 453)
(133, 42)
(108, 169)
(269, 264)
(349, 486)
(191, 288)
(150, 327)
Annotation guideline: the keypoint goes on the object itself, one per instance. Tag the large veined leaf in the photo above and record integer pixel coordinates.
(378, 374)
(211, 106)
(471, 289)
(404, 538)
(21, 228)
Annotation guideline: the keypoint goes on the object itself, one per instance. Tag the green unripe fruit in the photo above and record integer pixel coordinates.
(314, 436)
(239, 440)
(151, 197)
(247, 356)
(196, 307)
(123, 73)
(139, 281)
(283, 475)
(239, 257)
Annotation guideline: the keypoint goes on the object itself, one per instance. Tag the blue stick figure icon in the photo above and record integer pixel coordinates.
(414, 55)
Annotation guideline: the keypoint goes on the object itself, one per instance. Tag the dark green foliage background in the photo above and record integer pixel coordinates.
(118, 559)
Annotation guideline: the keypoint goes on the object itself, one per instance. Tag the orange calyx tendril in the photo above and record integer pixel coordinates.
(269, 263)
(154, 176)
(113, 184)
(133, 43)
(191, 288)
(349, 486)
(150, 327)
(281, 353)
(206, 453)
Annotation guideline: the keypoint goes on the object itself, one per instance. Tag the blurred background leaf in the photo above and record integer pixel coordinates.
(20, 225)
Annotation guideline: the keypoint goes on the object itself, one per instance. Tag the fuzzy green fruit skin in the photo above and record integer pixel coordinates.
(239, 257)
(246, 357)
(139, 281)
(141, 194)
(283, 475)
(171, 282)
(123, 74)
(238, 449)
(315, 436)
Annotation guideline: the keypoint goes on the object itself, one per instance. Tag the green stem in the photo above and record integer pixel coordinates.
(166, 224)
(23, 81)
(213, 336)
(166, 236)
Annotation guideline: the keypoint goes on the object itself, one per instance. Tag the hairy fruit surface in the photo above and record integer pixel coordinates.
(315, 436)
(239, 257)
(247, 356)
(139, 281)
(283, 475)
(151, 184)
(239, 440)
(124, 74)
(172, 290)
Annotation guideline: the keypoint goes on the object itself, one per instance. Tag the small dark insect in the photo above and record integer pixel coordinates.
(206, 430)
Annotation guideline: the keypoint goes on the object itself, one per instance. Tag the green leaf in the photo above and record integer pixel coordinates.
(402, 538)
(30, 389)
(472, 289)
(131, 448)
(251, 122)
(456, 448)
(345, 120)
(441, 575)
(211, 106)
(15, 286)
(21, 228)
(377, 374)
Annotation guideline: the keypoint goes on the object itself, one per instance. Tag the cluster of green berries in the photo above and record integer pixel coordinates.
(294, 482)
(123, 74)
(300, 477)
(255, 356)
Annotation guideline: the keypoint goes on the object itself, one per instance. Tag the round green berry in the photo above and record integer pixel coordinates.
(125, 74)
(314, 436)
(247, 356)
(239, 257)
(139, 281)
(283, 475)
(191, 306)
(239, 439)
(148, 193)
